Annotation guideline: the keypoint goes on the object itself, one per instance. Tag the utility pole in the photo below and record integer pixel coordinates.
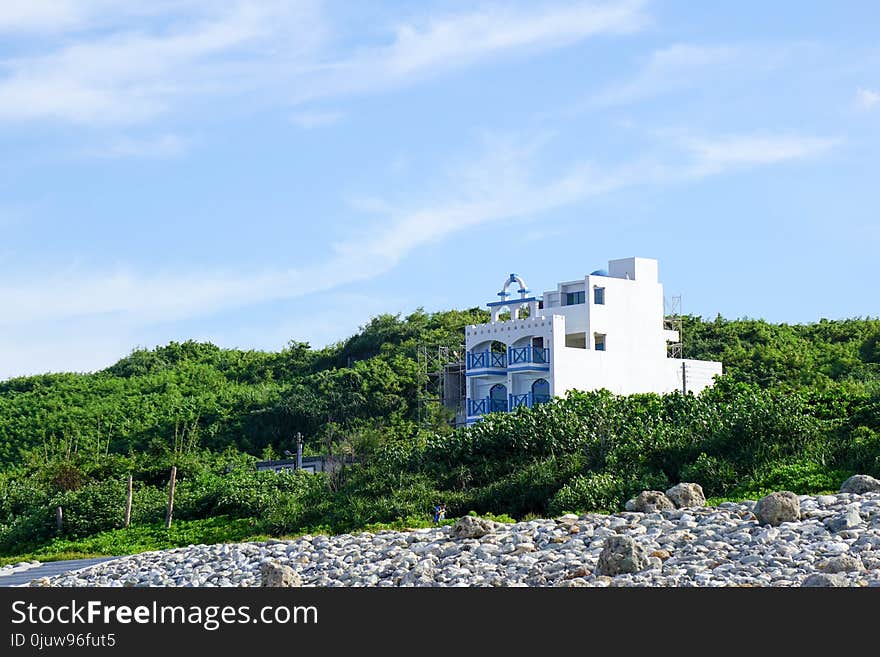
(170, 510)
(299, 450)
(128, 503)
(684, 388)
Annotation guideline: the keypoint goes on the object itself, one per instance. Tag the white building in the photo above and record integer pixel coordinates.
(605, 330)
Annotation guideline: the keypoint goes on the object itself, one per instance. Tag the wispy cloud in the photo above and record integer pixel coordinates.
(135, 70)
(867, 99)
(309, 120)
(133, 73)
(720, 154)
(670, 69)
(500, 185)
(686, 66)
(159, 147)
(424, 48)
(51, 16)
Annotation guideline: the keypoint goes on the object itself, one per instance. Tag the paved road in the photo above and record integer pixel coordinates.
(49, 569)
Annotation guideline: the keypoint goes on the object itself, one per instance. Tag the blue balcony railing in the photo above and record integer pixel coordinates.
(477, 406)
(521, 400)
(486, 405)
(477, 360)
(528, 400)
(528, 355)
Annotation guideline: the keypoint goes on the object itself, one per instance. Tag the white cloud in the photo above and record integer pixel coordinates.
(50, 16)
(133, 73)
(722, 153)
(500, 185)
(160, 147)
(867, 99)
(424, 48)
(40, 15)
(309, 120)
(669, 69)
(685, 66)
(140, 65)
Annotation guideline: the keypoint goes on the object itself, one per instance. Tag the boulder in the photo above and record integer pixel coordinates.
(825, 580)
(779, 507)
(848, 520)
(630, 505)
(843, 563)
(649, 501)
(860, 484)
(684, 495)
(471, 527)
(567, 519)
(621, 554)
(273, 573)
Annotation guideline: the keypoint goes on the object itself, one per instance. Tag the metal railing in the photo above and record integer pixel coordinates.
(486, 405)
(528, 354)
(528, 400)
(521, 400)
(486, 360)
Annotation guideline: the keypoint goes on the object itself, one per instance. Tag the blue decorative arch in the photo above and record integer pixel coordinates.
(498, 398)
(540, 391)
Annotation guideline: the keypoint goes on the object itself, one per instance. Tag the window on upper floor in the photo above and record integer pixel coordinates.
(575, 298)
(599, 295)
(599, 341)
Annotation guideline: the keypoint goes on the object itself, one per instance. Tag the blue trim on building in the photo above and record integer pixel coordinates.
(529, 368)
(507, 303)
(487, 373)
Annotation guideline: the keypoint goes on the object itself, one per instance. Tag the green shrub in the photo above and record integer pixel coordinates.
(600, 492)
(715, 475)
(801, 477)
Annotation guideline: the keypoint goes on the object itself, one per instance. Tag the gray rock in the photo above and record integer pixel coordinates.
(844, 563)
(844, 521)
(649, 501)
(273, 573)
(779, 507)
(860, 484)
(630, 505)
(471, 527)
(686, 495)
(825, 580)
(622, 554)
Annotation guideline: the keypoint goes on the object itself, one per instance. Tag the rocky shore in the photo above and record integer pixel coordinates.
(780, 540)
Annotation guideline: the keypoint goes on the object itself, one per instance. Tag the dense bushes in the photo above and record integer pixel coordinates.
(798, 408)
(28, 502)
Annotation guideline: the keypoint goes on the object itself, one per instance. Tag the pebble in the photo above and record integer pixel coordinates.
(702, 547)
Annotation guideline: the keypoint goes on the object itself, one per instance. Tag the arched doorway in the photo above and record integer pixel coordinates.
(540, 391)
(498, 398)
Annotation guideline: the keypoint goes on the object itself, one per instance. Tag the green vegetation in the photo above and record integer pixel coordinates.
(798, 408)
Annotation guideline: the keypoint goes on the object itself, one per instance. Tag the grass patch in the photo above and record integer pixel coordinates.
(119, 542)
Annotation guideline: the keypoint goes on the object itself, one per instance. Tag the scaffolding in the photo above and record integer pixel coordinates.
(672, 322)
(675, 349)
(442, 383)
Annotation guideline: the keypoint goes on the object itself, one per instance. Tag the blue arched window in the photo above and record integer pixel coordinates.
(498, 398)
(541, 391)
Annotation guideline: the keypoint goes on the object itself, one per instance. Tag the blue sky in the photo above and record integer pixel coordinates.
(256, 171)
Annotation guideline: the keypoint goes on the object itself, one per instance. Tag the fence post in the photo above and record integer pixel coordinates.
(128, 503)
(59, 516)
(171, 497)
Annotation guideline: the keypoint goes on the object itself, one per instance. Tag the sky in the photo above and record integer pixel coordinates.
(251, 172)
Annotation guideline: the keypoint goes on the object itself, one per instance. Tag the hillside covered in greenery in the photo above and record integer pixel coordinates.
(798, 407)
